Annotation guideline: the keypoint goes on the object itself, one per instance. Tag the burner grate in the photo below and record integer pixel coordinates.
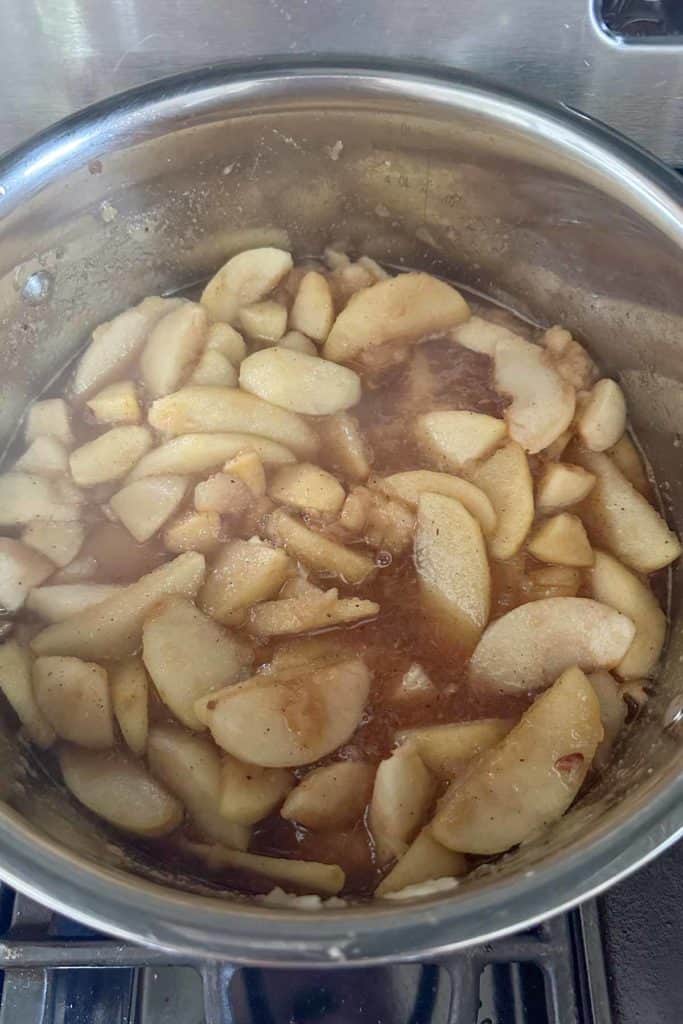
(57, 972)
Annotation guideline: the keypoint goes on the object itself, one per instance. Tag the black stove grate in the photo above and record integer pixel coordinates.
(57, 972)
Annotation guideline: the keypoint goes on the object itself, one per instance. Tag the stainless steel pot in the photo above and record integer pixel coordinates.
(538, 207)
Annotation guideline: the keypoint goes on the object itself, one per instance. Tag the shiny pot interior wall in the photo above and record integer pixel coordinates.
(153, 194)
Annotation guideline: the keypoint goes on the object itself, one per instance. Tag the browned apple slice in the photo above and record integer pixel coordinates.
(530, 778)
(531, 645)
(506, 480)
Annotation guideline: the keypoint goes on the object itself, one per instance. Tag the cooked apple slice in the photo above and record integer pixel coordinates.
(288, 616)
(113, 628)
(130, 699)
(384, 522)
(626, 458)
(214, 370)
(562, 540)
(25, 498)
(116, 786)
(60, 542)
(306, 875)
(479, 335)
(452, 438)
(298, 342)
(300, 383)
(313, 309)
(214, 410)
(343, 446)
(288, 719)
(190, 768)
(110, 456)
(570, 358)
(249, 793)
(247, 466)
(21, 569)
(264, 321)
(530, 778)
(200, 453)
(188, 655)
(446, 749)
(242, 574)
(17, 686)
(60, 601)
(144, 505)
(331, 797)
(401, 801)
(46, 456)
(409, 486)
(531, 645)
(244, 279)
(452, 568)
(175, 342)
(116, 344)
(506, 480)
(620, 519)
(81, 569)
(613, 712)
(116, 404)
(614, 585)
(225, 339)
(561, 486)
(307, 487)
(49, 418)
(318, 552)
(401, 311)
(194, 531)
(602, 420)
(423, 861)
(74, 697)
(224, 494)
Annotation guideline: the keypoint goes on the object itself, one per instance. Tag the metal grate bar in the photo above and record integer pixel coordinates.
(25, 997)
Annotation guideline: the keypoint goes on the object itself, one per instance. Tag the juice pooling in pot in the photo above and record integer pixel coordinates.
(330, 582)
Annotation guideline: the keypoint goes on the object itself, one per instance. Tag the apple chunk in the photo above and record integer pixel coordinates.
(243, 573)
(130, 697)
(21, 569)
(561, 486)
(60, 601)
(144, 505)
(299, 382)
(529, 780)
(602, 420)
(505, 478)
(446, 749)
(245, 278)
(401, 801)
(531, 645)
(17, 686)
(200, 453)
(74, 697)
(409, 486)
(249, 793)
(307, 487)
(562, 540)
(451, 438)
(452, 568)
(174, 344)
(424, 861)
(331, 797)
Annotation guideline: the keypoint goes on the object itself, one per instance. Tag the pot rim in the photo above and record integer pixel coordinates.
(196, 927)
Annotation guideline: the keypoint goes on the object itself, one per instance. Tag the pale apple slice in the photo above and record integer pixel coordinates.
(190, 768)
(59, 601)
(145, 505)
(561, 486)
(313, 310)
(288, 719)
(21, 569)
(264, 321)
(479, 335)
(60, 542)
(318, 552)
(194, 531)
(289, 616)
(400, 311)
(49, 418)
(570, 358)
(46, 456)
(533, 644)
(174, 344)
(452, 438)
(113, 628)
(298, 342)
(116, 404)
(506, 480)
(425, 860)
(402, 798)
(110, 456)
(224, 494)
(243, 574)
(307, 487)
(446, 749)
(249, 793)
(189, 655)
(116, 344)
(530, 778)
(343, 446)
(613, 713)
(613, 584)
(332, 797)
(452, 569)
(225, 339)
(74, 697)
(309, 876)
(602, 419)
(561, 540)
(244, 279)
(117, 787)
(300, 383)
(214, 370)
(200, 453)
(247, 466)
(25, 498)
(219, 410)
(130, 699)
(17, 686)
(627, 459)
(620, 519)
(410, 485)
